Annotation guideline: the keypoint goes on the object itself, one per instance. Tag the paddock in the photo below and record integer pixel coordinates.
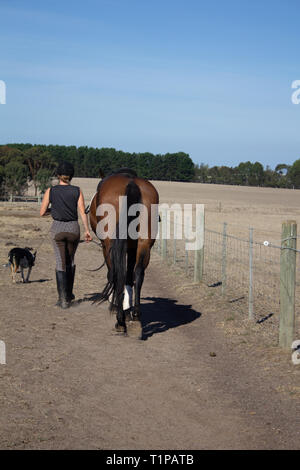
(203, 377)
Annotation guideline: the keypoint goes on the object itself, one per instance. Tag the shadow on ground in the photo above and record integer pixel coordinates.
(160, 314)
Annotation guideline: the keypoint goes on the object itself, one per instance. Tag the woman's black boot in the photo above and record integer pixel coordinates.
(70, 281)
(62, 289)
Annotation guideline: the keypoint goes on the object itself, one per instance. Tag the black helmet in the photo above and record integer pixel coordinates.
(65, 168)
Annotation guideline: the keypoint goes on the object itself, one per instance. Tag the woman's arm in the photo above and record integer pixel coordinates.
(45, 204)
(81, 207)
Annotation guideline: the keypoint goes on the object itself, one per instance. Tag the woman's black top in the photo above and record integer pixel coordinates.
(64, 200)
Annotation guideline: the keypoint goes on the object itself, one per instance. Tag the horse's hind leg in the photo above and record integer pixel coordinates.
(120, 326)
(127, 302)
(138, 282)
(142, 261)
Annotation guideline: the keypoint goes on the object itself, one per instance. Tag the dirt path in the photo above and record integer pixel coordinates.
(70, 382)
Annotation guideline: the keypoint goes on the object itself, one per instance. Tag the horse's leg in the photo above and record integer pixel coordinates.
(120, 326)
(142, 261)
(106, 243)
(127, 302)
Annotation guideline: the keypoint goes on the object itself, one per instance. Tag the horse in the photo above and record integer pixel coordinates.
(126, 252)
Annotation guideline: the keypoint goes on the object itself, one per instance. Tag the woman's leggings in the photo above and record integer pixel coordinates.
(65, 238)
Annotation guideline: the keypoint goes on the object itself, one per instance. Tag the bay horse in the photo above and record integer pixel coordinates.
(126, 256)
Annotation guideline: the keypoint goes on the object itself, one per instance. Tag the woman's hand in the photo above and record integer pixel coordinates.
(87, 236)
(48, 212)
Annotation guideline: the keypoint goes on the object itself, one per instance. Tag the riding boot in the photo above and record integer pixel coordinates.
(62, 289)
(70, 281)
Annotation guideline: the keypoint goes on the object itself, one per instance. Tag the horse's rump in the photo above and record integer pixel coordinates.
(126, 256)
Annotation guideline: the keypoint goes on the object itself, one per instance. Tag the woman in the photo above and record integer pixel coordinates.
(65, 199)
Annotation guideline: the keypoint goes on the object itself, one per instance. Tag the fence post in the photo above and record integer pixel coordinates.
(174, 238)
(224, 256)
(250, 299)
(287, 283)
(164, 234)
(199, 252)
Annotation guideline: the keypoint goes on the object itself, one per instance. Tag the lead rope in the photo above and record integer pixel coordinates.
(98, 244)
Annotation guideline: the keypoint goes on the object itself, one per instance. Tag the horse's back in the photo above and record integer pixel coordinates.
(116, 184)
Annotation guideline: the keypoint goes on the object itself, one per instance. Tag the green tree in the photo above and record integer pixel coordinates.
(43, 179)
(294, 174)
(15, 178)
(201, 173)
(36, 158)
(282, 168)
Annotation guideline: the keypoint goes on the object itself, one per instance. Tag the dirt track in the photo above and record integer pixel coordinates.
(70, 382)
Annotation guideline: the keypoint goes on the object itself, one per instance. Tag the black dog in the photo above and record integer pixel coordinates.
(21, 258)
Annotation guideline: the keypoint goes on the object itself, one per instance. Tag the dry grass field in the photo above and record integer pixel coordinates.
(241, 207)
(263, 209)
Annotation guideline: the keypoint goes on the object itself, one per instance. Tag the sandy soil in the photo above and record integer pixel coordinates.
(202, 378)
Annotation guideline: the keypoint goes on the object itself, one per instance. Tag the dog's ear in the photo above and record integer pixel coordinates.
(34, 254)
(27, 248)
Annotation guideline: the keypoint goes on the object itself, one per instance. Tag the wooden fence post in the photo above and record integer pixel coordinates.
(175, 222)
(287, 283)
(199, 252)
(250, 298)
(224, 258)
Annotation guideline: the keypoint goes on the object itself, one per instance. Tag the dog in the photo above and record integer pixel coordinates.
(21, 258)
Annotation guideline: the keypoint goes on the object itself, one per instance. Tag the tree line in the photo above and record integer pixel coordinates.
(21, 164)
(251, 174)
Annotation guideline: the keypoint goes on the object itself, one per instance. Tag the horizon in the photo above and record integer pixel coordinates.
(211, 80)
(120, 150)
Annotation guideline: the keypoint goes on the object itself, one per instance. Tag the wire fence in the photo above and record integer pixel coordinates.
(250, 274)
(245, 271)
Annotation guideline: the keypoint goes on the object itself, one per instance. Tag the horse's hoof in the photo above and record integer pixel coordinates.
(120, 328)
(134, 329)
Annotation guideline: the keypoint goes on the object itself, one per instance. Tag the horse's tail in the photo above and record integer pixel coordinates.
(118, 266)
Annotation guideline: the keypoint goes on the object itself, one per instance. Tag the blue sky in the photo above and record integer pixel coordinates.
(212, 79)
